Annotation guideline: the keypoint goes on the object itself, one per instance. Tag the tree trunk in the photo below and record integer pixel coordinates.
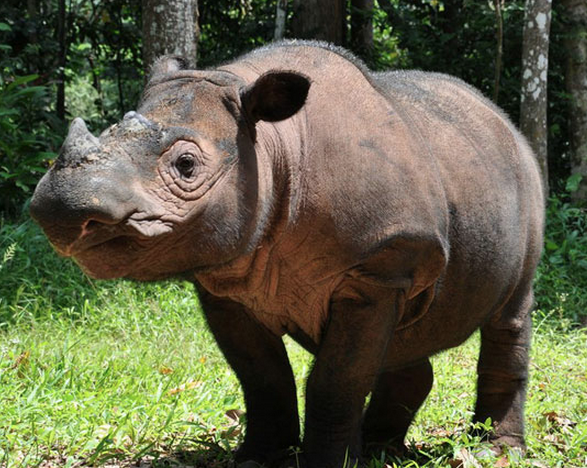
(534, 80)
(320, 19)
(576, 83)
(62, 59)
(498, 4)
(362, 28)
(280, 19)
(170, 27)
(32, 9)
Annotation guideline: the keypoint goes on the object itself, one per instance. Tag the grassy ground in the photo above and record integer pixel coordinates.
(123, 374)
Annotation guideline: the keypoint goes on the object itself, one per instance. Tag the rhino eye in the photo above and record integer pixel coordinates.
(185, 164)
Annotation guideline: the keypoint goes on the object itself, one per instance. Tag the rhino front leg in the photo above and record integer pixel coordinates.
(347, 363)
(259, 359)
(503, 370)
(396, 398)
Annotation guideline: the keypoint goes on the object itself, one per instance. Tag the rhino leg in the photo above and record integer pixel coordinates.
(503, 370)
(348, 361)
(396, 398)
(260, 362)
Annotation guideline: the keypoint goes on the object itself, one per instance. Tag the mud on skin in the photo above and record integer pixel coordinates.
(377, 218)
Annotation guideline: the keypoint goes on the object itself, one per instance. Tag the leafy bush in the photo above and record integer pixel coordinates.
(561, 283)
(27, 139)
(29, 131)
(102, 81)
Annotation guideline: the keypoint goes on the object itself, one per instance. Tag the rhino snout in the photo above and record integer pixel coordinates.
(87, 190)
(69, 212)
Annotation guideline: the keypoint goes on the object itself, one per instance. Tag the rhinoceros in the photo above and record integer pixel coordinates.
(376, 218)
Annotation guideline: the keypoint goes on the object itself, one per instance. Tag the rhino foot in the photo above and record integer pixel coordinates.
(511, 444)
(288, 462)
(285, 458)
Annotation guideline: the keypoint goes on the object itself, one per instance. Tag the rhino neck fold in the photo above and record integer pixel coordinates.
(279, 158)
(280, 155)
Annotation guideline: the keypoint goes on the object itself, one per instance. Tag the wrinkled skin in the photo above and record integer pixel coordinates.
(376, 218)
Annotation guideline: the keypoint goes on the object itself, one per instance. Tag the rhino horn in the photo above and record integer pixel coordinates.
(138, 118)
(79, 134)
(78, 145)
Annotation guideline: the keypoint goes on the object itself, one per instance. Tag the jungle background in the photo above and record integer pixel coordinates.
(120, 374)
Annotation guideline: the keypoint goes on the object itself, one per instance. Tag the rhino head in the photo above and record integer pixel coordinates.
(173, 187)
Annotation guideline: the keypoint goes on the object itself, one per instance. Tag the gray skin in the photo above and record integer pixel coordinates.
(375, 218)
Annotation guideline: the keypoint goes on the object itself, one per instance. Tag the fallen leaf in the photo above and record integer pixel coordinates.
(440, 432)
(235, 428)
(468, 459)
(103, 431)
(559, 421)
(231, 433)
(191, 417)
(552, 438)
(186, 386)
(165, 370)
(234, 415)
(556, 441)
(21, 360)
(502, 462)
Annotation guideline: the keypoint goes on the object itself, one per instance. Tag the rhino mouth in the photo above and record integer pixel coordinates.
(93, 241)
(106, 255)
(96, 235)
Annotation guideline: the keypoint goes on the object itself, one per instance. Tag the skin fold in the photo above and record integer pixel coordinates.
(377, 218)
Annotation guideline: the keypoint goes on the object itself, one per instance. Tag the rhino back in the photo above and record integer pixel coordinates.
(401, 154)
(494, 197)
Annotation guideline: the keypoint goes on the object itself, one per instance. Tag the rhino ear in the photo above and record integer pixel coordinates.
(168, 64)
(275, 95)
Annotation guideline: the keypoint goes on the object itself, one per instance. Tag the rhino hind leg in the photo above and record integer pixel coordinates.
(503, 371)
(396, 398)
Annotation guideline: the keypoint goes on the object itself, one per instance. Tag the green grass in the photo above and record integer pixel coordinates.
(110, 374)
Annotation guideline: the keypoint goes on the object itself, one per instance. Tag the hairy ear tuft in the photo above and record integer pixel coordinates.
(275, 95)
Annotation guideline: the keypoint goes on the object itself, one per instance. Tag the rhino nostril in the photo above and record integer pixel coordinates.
(92, 225)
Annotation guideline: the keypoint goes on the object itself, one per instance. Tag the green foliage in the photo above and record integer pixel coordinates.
(561, 282)
(458, 37)
(103, 79)
(116, 373)
(29, 132)
(92, 372)
(232, 27)
(27, 138)
(559, 103)
(573, 183)
(105, 54)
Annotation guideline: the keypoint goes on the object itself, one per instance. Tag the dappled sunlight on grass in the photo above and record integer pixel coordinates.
(120, 373)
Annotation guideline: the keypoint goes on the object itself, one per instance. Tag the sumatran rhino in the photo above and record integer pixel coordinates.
(377, 218)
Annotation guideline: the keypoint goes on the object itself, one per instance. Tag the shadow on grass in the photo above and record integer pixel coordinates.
(212, 458)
